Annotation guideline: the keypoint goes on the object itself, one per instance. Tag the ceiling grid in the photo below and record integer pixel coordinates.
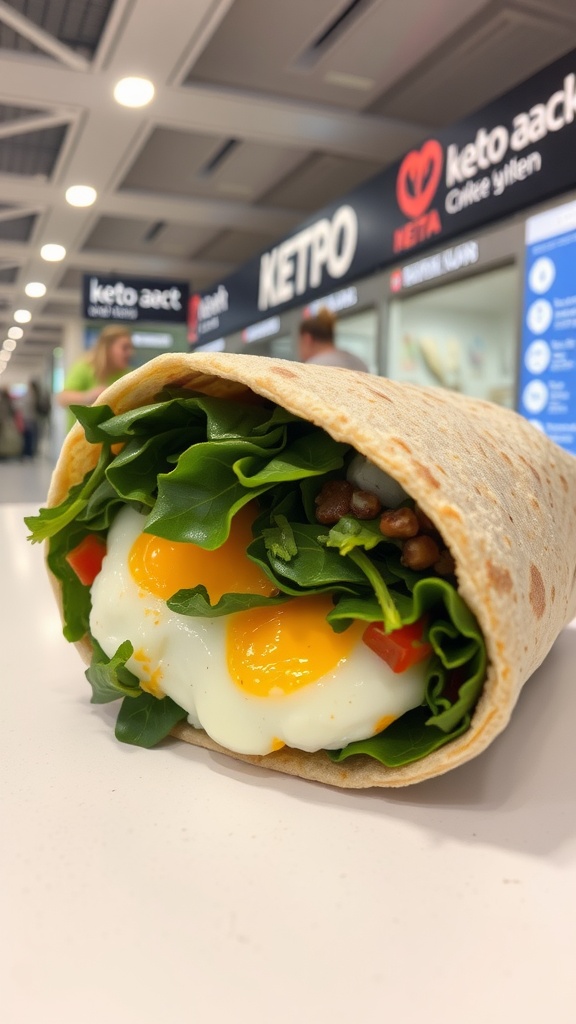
(263, 113)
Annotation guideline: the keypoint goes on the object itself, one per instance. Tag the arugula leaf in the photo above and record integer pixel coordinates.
(390, 614)
(351, 608)
(51, 521)
(279, 539)
(109, 677)
(145, 720)
(349, 533)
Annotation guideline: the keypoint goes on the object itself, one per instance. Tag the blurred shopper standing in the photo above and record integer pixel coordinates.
(11, 439)
(106, 362)
(316, 343)
(35, 408)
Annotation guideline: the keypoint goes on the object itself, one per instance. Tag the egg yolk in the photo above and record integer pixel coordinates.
(275, 651)
(162, 567)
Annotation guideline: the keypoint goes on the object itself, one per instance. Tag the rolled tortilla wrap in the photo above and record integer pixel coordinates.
(501, 494)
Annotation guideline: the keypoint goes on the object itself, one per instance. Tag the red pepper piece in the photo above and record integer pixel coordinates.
(403, 647)
(86, 558)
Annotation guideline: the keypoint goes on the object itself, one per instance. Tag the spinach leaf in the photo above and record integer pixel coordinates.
(197, 500)
(75, 595)
(314, 569)
(145, 720)
(408, 739)
(91, 418)
(133, 473)
(197, 602)
(310, 455)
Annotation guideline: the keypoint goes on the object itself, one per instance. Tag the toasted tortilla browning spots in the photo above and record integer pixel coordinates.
(402, 444)
(499, 578)
(425, 472)
(537, 593)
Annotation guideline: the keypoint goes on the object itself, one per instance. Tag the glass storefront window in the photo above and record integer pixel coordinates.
(461, 336)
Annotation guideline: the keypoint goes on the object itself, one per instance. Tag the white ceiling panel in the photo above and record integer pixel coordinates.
(508, 42)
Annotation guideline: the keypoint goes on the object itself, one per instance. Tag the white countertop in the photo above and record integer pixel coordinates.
(175, 885)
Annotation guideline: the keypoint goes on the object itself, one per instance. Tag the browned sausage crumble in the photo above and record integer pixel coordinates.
(420, 542)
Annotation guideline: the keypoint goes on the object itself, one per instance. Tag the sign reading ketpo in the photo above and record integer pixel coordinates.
(134, 299)
(508, 156)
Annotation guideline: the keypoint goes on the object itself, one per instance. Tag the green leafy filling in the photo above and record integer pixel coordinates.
(188, 463)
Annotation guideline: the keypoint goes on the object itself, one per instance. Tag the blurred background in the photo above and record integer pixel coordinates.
(260, 114)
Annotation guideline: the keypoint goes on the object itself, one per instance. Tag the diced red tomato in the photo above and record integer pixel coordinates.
(403, 647)
(86, 558)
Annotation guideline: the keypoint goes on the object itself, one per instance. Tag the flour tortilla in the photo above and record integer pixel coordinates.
(502, 495)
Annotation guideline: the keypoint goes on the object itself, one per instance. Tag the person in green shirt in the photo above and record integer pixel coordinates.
(108, 360)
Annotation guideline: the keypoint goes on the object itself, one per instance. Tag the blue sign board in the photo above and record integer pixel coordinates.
(547, 379)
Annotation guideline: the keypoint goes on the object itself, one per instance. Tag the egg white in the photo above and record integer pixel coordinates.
(188, 655)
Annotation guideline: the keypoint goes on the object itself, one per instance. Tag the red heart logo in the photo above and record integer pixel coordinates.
(418, 178)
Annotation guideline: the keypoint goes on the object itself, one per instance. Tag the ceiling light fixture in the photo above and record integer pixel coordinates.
(22, 316)
(81, 195)
(8, 345)
(349, 81)
(5, 356)
(52, 253)
(15, 332)
(35, 289)
(134, 92)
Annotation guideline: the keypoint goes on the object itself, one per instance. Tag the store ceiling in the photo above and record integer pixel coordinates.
(264, 111)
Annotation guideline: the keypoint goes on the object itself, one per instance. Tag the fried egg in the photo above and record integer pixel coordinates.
(254, 680)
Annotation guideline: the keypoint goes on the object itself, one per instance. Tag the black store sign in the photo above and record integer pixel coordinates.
(515, 152)
(134, 299)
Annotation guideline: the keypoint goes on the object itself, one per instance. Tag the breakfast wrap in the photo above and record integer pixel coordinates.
(321, 572)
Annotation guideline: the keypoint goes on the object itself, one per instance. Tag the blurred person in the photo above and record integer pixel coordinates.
(35, 408)
(106, 362)
(11, 439)
(316, 343)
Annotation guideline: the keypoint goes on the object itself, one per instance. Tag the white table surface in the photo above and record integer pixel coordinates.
(175, 885)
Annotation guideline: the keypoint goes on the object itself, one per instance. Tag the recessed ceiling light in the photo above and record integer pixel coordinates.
(4, 356)
(35, 289)
(52, 253)
(22, 316)
(348, 81)
(8, 345)
(133, 92)
(81, 195)
(15, 332)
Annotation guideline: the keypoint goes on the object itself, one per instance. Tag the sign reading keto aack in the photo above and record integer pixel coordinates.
(514, 153)
(134, 299)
